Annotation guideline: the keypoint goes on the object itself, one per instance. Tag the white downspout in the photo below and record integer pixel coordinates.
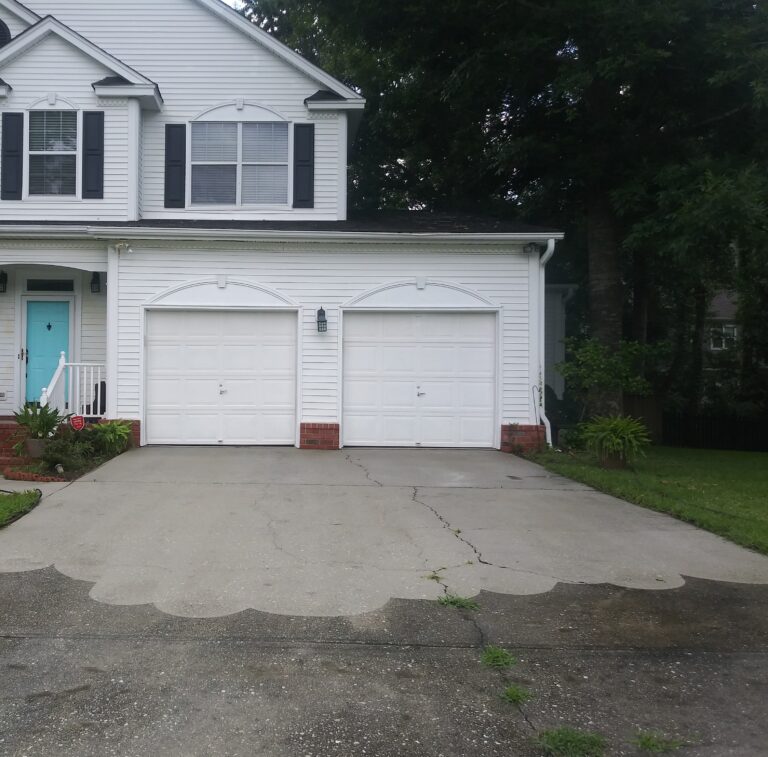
(545, 258)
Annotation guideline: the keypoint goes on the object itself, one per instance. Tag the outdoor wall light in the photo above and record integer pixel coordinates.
(3, 282)
(95, 282)
(322, 321)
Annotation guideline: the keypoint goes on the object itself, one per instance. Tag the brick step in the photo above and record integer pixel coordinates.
(11, 461)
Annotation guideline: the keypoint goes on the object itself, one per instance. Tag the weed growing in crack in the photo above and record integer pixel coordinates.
(569, 742)
(434, 576)
(656, 743)
(463, 603)
(496, 657)
(515, 694)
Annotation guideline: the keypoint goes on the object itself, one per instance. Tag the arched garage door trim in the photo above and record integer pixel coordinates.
(424, 296)
(221, 295)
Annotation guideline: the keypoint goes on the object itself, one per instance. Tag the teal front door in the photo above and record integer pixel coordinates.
(47, 338)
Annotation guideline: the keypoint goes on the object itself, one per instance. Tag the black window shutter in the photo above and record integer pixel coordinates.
(12, 169)
(93, 155)
(304, 166)
(175, 165)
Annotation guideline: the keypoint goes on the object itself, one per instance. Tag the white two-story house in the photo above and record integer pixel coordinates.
(175, 248)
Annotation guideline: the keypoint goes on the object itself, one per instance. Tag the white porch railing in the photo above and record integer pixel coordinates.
(77, 389)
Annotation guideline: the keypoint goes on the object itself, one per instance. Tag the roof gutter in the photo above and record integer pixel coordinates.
(110, 233)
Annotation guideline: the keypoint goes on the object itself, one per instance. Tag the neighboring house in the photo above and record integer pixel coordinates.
(722, 330)
(173, 220)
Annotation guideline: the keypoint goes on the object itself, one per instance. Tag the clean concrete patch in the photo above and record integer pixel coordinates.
(339, 533)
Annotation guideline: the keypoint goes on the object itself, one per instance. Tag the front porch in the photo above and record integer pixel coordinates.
(53, 337)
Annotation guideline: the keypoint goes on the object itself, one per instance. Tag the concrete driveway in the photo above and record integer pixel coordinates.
(207, 532)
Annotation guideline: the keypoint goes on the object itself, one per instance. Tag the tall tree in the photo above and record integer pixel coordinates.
(629, 120)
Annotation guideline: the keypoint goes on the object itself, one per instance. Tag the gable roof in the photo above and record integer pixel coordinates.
(231, 16)
(24, 13)
(49, 25)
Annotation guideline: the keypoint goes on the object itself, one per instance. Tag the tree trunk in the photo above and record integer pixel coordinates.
(696, 375)
(640, 298)
(605, 293)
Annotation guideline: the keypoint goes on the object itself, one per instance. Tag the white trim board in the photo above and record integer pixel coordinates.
(50, 25)
(232, 17)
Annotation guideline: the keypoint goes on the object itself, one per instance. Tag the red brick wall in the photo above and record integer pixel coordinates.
(319, 436)
(516, 438)
(136, 433)
(10, 433)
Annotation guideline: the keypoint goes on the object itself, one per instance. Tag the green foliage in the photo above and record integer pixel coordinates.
(515, 694)
(15, 504)
(656, 743)
(73, 452)
(616, 440)
(497, 657)
(462, 603)
(40, 422)
(593, 366)
(110, 438)
(721, 491)
(569, 742)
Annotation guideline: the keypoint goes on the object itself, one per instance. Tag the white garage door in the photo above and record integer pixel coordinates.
(220, 377)
(419, 379)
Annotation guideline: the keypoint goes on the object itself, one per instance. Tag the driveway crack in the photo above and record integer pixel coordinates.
(364, 469)
(478, 554)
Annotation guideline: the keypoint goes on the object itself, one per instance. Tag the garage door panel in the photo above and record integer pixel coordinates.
(396, 395)
(419, 379)
(193, 355)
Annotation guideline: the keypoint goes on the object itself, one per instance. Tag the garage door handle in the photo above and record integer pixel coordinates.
(222, 390)
(420, 394)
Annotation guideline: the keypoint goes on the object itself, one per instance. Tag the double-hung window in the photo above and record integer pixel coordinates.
(239, 163)
(53, 152)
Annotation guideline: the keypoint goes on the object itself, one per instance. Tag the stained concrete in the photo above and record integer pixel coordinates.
(82, 678)
(201, 532)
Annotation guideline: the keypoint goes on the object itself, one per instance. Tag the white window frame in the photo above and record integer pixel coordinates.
(239, 205)
(723, 333)
(77, 197)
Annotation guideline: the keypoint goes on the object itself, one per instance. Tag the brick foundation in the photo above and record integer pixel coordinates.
(319, 436)
(515, 438)
(135, 433)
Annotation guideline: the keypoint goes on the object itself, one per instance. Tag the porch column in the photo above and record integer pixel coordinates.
(113, 296)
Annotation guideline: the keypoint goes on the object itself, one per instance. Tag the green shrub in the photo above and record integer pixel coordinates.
(110, 438)
(40, 422)
(69, 451)
(616, 440)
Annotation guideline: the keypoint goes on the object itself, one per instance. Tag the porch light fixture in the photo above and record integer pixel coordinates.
(95, 282)
(3, 282)
(322, 321)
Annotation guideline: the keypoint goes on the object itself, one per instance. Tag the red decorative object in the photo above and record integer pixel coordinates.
(77, 422)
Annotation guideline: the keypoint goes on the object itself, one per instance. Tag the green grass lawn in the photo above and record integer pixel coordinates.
(723, 492)
(14, 505)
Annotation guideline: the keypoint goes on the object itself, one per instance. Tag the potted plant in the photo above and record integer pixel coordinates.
(40, 423)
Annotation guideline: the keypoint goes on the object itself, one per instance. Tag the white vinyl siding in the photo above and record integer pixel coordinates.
(55, 67)
(325, 275)
(200, 61)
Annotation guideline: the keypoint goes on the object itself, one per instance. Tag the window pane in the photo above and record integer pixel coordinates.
(214, 142)
(53, 131)
(50, 285)
(52, 174)
(265, 184)
(265, 143)
(214, 184)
